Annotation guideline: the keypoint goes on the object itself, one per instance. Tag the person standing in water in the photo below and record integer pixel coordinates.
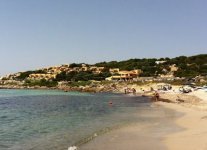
(134, 91)
(157, 96)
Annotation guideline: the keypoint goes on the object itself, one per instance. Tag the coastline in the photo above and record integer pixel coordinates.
(105, 88)
(141, 135)
(192, 126)
(77, 117)
(187, 128)
(194, 134)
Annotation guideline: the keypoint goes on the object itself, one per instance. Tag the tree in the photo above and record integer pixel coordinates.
(75, 65)
(61, 76)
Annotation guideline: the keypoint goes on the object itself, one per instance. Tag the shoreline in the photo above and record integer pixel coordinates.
(194, 134)
(192, 123)
(139, 135)
(104, 116)
(65, 89)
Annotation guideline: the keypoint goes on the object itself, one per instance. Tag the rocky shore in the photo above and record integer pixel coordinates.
(97, 87)
(193, 105)
(193, 99)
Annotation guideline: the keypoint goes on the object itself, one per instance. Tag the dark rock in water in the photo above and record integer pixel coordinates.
(162, 100)
(165, 100)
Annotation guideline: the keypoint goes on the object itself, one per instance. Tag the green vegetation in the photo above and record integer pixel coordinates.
(81, 76)
(24, 75)
(188, 66)
(191, 66)
(41, 82)
(73, 65)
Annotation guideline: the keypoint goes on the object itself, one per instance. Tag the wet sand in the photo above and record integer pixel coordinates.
(172, 127)
(145, 135)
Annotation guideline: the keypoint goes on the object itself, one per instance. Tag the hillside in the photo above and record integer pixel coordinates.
(181, 66)
(187, 66)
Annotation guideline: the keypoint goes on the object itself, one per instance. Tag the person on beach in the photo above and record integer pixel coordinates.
(151, 89)
(157, 96)
(134, 91)
(125, 91)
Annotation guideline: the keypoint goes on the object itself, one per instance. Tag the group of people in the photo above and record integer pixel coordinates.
(130, 90)
(133, 90)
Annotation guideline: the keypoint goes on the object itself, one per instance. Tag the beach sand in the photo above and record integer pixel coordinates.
(185, 129)
(126, 138)
(146, 134)
(194, 135)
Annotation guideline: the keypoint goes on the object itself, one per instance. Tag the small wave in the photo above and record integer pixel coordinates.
(3, 117)
(4, 146)
(100, 132)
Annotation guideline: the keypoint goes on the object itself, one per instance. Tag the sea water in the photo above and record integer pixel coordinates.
(55, 120)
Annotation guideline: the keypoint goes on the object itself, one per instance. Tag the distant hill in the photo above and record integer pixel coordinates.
(75, 75)
(151, 67)
(187, 66)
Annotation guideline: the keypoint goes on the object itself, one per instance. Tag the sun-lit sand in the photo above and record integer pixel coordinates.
(191, 135)
(194, 135)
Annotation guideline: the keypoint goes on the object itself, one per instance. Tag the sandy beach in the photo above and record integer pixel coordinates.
(185, 129)
(194, 135)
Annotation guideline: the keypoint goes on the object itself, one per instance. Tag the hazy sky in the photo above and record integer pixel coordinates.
(39, 33)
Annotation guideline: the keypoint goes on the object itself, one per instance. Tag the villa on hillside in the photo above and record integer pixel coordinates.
(96, 70)
(160, 62)
(173, 68)
(114, 70)
(169, 74)
(42, 76)
(52, 72)
(125, 75)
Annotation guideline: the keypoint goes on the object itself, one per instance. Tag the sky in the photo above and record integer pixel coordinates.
(42, 33)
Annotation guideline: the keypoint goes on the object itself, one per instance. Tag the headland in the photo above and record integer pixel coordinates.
(170, 83)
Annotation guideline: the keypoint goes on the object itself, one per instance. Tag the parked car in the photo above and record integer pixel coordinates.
(198, 88)
(204, 88)
(185, 89)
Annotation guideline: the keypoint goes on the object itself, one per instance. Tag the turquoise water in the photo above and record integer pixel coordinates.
(55, 120)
